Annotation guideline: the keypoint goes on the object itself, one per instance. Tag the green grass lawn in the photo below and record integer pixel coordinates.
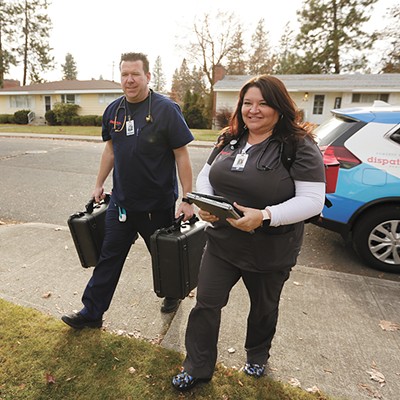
(43, 359)
(199, 134)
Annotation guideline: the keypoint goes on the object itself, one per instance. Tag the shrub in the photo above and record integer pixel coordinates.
(76, 120)
(7, 119)
(194, 111)
(99, 120)
(223, 117)
(88, 120)
(64, 112)
(50, 117)
(21, 117)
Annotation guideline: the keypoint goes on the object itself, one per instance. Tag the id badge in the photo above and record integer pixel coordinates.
(240, 162)
(130, 127)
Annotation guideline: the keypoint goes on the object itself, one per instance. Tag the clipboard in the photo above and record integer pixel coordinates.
(215, 205)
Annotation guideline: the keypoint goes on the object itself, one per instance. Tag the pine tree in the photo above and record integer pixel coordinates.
(287, 58)
(158, 77)
(8, 30)
(261, 60)
(193, 110)
(181, 83)
(236, 58)
(69, 68)
(391, 34)
(332, 37)
(35, 49)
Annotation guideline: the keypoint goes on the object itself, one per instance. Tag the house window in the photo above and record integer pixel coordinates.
(369, 97)
(318, 107)
(107, 98)
(20, 102)
(70, 98)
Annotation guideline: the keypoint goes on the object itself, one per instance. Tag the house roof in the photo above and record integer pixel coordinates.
(318, 83)
(66, 86)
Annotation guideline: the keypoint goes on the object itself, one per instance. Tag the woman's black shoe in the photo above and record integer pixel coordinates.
(184, 382)
(255, 370)
(78, 321)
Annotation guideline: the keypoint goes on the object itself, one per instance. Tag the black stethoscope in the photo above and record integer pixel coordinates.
(122, 106)
(234, 144)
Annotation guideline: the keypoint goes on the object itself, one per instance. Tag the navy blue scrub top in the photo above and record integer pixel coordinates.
(144, 175)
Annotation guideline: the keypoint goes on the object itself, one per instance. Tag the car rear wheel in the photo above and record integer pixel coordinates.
(376, 238)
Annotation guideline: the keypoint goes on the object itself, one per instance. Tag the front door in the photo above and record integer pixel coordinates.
(47, 103)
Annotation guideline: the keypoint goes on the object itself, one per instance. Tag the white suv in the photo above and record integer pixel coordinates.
(366, 203)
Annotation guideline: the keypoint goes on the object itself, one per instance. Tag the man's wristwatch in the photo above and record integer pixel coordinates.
(266, 219)
(186, 200)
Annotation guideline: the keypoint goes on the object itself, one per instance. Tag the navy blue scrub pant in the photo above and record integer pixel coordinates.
(216, 279)
(116, 245)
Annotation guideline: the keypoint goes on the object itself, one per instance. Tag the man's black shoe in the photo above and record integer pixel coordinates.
(78, 321)
(170, 305)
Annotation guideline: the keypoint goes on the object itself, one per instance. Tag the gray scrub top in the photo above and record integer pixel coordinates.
(264, 181)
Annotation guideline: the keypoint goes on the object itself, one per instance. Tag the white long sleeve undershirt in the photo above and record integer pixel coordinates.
(308, 200)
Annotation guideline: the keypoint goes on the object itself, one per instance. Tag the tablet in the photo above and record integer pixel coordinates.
(215, 205)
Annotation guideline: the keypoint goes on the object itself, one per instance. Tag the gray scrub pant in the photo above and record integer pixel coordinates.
(216, 279)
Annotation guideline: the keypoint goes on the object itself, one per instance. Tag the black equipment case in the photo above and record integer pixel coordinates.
(87, 231)
(176, 254)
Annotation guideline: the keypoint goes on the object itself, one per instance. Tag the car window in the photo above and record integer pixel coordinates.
(396, 136)
(334, 128)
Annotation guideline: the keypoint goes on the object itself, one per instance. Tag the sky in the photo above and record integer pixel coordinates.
(97, 32)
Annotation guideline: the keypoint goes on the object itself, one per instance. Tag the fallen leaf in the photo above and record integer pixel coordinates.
(373, 393)
(240, 383)
(376, 376)
(231, 350)
(50, 379)
(389, 326)
(131, 370)
(313, 390)
(46, 295)
(294, 382)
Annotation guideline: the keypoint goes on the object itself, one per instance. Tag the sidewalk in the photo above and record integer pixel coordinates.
(328, 336)
(197, 143)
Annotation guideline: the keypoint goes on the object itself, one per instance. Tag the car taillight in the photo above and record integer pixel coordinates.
(344, 157)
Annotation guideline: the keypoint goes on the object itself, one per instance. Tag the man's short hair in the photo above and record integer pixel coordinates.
(136, 57)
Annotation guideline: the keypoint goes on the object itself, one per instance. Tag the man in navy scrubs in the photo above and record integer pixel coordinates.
(146, 140)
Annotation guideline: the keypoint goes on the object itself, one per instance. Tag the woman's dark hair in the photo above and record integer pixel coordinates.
(277, 97)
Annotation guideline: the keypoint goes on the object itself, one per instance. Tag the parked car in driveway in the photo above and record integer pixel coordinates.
(366, 203)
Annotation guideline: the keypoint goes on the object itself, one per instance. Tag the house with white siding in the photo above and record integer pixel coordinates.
(317, 95)
(92, 96)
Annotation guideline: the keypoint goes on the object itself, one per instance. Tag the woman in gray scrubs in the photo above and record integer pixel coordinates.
(247, 167)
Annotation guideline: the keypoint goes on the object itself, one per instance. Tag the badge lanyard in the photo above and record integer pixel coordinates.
(240, 161)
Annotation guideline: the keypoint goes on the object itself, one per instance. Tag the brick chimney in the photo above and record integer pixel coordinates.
(219, 73)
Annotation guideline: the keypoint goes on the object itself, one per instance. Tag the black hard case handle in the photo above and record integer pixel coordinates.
(90, 205)
(177, 225)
